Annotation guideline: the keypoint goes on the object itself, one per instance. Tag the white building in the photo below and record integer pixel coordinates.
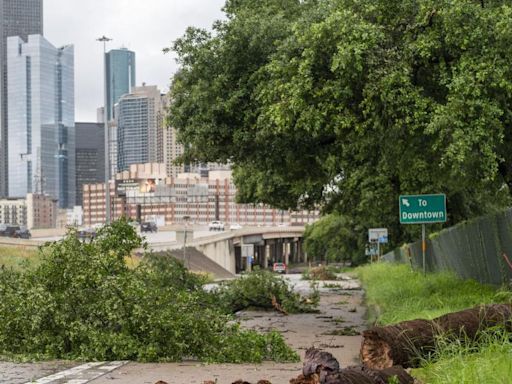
(34, 211)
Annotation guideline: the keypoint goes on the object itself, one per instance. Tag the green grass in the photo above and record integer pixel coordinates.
(23, 257)
(489, 361)
(18, 257)
(395, 293)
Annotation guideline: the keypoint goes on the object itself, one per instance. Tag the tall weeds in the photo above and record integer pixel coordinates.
(397, 293)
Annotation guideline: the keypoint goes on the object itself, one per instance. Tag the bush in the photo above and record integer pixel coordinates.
(319, 273)
(83, 302)
(257, 289)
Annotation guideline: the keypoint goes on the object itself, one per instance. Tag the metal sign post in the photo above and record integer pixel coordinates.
(379, 236)
(423, 248)
(422, 209)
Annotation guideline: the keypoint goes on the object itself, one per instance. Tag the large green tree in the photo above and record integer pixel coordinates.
(348, 103)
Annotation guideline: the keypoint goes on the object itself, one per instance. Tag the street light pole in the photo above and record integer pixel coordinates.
(104, 40)
(185, 261)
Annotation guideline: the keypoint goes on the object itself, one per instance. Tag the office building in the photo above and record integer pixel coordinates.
(120, 76)
(41, 119)
(172, 149)
(89, 156)
(33, 211)
(167, 200)
(100, 115)
(17, 18)
(139, 127)
(112, 147)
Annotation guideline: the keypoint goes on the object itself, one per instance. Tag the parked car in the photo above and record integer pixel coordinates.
(216, 226)
(86, 233)
(148, 226)
(22, 233)
(8, 230)
(235, 226)
(279, 267)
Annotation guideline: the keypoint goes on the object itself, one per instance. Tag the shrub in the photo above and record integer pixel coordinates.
(83, 302)
(257, 290)
(319, 273)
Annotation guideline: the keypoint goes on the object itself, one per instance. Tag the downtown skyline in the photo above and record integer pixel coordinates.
(142, 28)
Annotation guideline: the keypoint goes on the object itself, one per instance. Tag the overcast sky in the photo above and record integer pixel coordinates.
(143, 26)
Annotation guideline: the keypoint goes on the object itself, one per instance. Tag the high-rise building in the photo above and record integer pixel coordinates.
(120, 76)
(41, 119)
(89, 156)
(139, 127)
(112, 147)
(17, 18)
(172, 149)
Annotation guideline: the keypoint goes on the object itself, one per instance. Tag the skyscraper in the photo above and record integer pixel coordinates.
(89, 155)
(172, 149)
(120, 76)
(139, 127)
(41, 119)
(17, 18)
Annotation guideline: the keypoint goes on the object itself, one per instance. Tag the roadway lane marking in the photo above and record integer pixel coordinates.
(80, 374)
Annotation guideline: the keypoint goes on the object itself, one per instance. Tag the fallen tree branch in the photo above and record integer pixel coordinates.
(277, 306)
(507, 260)
(406, 343)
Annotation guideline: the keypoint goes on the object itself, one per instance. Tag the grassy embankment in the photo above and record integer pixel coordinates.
(22, 257)
(18, 257)
(395, 293)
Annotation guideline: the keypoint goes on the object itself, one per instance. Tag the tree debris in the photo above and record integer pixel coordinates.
(406, 342)
(278, 306)
(322, 368)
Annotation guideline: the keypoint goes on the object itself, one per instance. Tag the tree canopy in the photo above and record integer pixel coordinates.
(346, 104)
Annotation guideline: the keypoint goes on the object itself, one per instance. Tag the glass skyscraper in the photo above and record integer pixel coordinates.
(120, 76)
(41, 120)
(17, 18)
(89, 156)
(140, 127)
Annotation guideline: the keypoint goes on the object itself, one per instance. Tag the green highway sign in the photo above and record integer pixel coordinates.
(422, 209)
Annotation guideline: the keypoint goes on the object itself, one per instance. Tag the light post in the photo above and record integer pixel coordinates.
(185, 261)
(104, 40)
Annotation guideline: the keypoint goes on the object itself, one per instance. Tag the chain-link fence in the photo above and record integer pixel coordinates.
(480, 249)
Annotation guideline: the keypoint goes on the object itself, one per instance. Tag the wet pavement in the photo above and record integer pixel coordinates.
(20, 373)
(55, 372)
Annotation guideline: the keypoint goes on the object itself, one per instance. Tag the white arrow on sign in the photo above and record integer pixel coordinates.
(406, 202)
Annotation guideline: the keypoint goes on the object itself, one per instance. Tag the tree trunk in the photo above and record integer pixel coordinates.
(406, 343)
(322, 368)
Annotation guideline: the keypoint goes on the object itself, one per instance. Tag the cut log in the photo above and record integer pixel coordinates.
(399, 344)
(360, 374)
(311, 379)
(322, 368)
(466, 324)
(407, 342)
(317, 361)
